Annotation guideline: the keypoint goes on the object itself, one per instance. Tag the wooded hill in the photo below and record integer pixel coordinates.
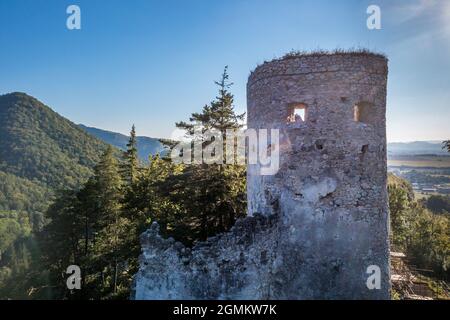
(41, 152)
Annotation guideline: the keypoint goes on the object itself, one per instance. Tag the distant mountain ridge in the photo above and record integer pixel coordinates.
(416, 148)
(146, 146)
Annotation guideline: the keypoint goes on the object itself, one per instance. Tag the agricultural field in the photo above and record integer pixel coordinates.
(419, 161)
(428, 174)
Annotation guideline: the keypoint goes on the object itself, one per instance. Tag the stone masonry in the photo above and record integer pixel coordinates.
(315, 226)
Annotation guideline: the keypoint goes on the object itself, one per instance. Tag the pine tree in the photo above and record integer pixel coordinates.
(213, 194)
(60, 240)
(109, 187)
(112, 226)
(131, 166)
(89, 228)
(220, 114)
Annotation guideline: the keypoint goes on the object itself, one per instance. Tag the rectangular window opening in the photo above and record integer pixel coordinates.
(297, 113)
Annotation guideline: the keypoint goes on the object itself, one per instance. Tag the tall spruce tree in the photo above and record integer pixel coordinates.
(219, 114)
(131, 165)
(112, 226)
(213, 195)
(60, 241)
(89, 228)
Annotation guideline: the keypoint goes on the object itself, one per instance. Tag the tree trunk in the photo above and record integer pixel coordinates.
(115, 276)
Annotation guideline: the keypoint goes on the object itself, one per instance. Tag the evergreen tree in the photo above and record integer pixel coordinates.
(213, 195)
(131, 165)
(109, 186)
(111, 225)
(220, 114)
(88, 228)
(60, 240)
(150, 201)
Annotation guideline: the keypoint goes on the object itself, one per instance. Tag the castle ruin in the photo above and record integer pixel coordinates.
(316, 226)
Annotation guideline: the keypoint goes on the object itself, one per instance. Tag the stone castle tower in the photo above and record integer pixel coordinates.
(330, 190)
(320, 224)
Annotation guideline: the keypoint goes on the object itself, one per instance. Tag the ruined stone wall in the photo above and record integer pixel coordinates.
(322, 218)
(234, 265)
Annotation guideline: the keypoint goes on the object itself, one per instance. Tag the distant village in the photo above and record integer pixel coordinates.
(425, 181)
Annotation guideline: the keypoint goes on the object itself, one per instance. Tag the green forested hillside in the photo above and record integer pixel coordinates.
(40, 145)
(41, 152)
(22, 195)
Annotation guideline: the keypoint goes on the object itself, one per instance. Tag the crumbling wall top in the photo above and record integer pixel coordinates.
(296, 63)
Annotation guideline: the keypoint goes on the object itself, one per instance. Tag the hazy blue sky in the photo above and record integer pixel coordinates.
(152, 63)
